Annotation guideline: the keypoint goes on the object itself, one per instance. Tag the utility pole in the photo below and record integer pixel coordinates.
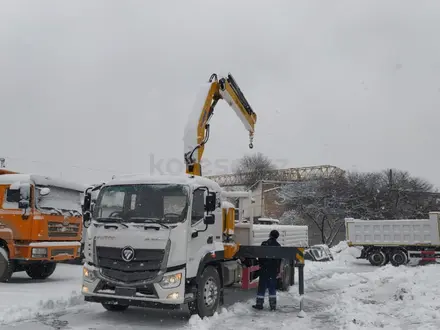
(390, 179)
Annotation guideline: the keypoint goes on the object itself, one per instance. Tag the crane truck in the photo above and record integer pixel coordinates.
(168, 241)
(40, 223)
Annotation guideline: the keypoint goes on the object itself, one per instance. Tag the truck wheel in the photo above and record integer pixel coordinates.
(208, 294)
(114, 307)
(284, 282)
(398, 257)
(41, 271)
(6, 266)
(377, 258)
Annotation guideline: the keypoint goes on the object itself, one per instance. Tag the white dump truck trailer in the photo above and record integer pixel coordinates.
(399, 242)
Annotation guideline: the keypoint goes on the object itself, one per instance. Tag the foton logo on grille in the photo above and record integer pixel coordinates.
(128, 254)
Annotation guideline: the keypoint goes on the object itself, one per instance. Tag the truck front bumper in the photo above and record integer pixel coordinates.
(52, 251)
(169, 293)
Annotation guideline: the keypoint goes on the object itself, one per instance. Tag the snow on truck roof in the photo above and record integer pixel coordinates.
(227, 205)
(41, 180)
(185, 179)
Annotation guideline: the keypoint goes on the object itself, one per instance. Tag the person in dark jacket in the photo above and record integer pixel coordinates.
(269, 269)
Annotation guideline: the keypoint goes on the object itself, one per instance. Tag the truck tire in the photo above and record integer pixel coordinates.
(283, 283)
(6, 266)
(398, 257)
(41, 271)
(208, 294)
(378, 258)
(114, 307)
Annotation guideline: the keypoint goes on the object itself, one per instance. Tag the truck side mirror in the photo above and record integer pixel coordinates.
(210, 202)
(209, 219)
(87, 199)
(25, 192)
(23, 204)
(87, 219)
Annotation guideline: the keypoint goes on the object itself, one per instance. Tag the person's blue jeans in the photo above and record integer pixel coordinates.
(267, 282)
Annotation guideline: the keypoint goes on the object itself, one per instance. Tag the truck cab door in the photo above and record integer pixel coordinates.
(200, 241)
(11, 214)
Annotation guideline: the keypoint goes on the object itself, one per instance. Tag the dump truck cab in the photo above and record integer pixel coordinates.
(40, 223)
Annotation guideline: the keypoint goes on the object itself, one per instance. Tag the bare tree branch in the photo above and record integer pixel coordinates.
(254, 168)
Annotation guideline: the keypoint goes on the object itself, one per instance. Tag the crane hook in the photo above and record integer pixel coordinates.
(251, 139)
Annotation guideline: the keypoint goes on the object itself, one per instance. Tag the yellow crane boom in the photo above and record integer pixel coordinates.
(197, 129)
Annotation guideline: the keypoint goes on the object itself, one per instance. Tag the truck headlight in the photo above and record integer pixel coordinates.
(171, 281)
(88, 274)
(39, 252)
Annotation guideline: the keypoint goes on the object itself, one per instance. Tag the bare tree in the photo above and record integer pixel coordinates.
(319, 203)
(404, 196)
(390, 194)
(255, 167)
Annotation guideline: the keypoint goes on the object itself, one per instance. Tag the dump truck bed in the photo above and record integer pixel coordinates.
(392, 232)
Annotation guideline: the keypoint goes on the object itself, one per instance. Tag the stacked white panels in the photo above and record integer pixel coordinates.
(296, 236)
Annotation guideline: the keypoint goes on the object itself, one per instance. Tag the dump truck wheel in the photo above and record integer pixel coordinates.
(41, 271)
(398, 257)
(208, 293)
(377, 258)
(6, 266)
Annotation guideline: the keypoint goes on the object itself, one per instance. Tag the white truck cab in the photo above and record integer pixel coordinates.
(158, 242)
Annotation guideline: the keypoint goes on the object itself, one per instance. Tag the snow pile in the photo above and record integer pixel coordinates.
(43, 307)
(341, 246)
(347, 294)
(241, 316)
(23, 298)
(389, 297)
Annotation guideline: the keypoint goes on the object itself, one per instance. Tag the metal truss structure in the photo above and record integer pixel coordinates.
(284, 175)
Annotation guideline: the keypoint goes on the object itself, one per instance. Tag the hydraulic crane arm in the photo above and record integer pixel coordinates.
(197, 129)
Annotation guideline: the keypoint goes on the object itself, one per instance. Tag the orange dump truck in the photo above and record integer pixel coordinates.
(40, 223)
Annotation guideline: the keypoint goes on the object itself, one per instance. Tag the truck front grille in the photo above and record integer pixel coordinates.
(144, 267)
(57, 229)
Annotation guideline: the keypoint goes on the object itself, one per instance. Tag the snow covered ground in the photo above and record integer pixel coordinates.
(342, 294)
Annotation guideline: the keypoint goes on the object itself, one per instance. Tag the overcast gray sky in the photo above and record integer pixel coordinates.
(94, 88)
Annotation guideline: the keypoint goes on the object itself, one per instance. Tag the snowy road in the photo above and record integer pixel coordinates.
(343, 294)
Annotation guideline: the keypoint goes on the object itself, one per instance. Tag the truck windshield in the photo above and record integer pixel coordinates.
(59, 201)
(142, 203)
